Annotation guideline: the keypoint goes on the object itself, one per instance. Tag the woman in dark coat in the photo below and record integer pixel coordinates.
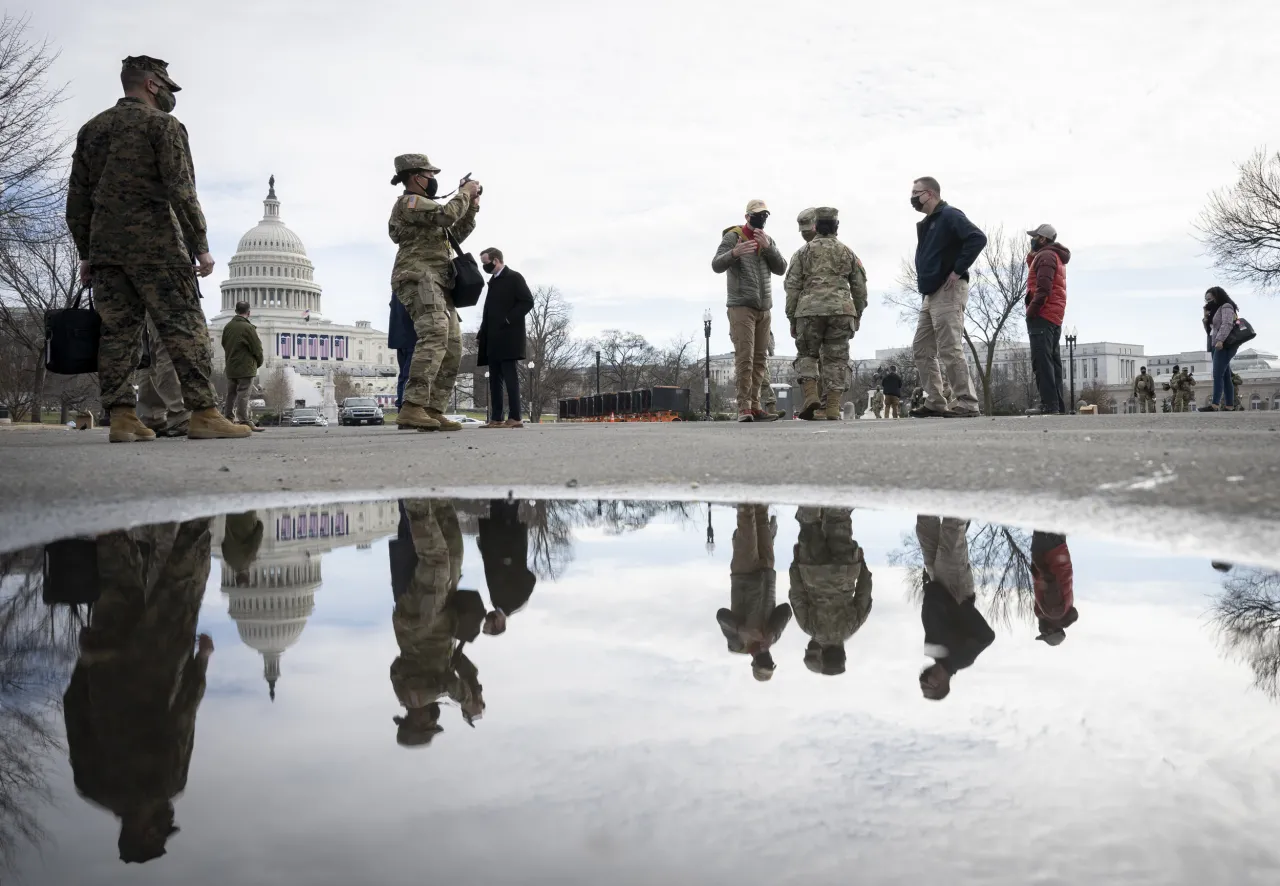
(501, 341)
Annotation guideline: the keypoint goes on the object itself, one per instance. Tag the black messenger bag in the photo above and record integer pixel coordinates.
(467, 282)
(71, 338)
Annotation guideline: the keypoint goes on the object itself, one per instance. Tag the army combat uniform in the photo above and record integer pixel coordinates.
(130, 707)
(877, 402)
(826, 295)
(768, 399)
(422, 280)
(1144, 389)
(133, 213)
(1236, 399)
(426, 567)
(830, 585)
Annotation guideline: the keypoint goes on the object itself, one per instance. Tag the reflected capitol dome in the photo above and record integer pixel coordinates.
(271, 601)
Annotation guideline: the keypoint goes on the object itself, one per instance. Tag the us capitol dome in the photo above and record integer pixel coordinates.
(271, 271)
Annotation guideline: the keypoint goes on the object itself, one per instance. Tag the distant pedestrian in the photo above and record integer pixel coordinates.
(749, 256)
(242, 350)
(403, 338)
(502, 337)
(892, 386)
(947, 244)
(1222, 320)
(1046, 303)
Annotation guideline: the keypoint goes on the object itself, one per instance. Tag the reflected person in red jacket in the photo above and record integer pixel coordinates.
(1046, 306)
(1055, 593)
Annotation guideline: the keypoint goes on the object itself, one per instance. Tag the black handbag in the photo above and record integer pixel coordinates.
(467, 282)
(71, 572)
(1240, 333)
(71, 338)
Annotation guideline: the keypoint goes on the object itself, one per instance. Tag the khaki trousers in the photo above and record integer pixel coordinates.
(160, 403)
(939, 349)
(749, 332)
(236, 407)
(944, 546)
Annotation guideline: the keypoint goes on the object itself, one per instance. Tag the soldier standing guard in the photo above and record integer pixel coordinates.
(422, 280)
(826, 295)
(136, 221)
(1144, 389)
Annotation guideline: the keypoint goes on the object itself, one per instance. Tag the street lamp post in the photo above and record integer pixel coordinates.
(1071, 367)
(706, 375)
(597, 372)
(531, 397)
(711, 533)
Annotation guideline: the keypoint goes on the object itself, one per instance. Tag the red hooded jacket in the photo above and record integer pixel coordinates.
(1047, 283)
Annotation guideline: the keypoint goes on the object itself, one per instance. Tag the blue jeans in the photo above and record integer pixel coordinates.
(1222, 377)
(404, 356)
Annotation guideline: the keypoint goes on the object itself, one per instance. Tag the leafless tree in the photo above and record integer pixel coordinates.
(997, 288)
(36, 275)
(343, 386)
(32, 146)
(276, 392)
(1247, 616)
(626, 358)
(556, 356)
(1095, 394)
(1241, 225)
(676, 364)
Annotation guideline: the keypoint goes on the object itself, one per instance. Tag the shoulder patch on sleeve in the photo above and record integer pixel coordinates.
(412, 202)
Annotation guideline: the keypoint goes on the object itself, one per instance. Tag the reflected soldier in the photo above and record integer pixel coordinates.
(1051, 574)
(1144, 390)
(753, 623)
(130, 707)
(429, 619)
(241, 539)
(504, 547)
(955, 633)
(830, 585)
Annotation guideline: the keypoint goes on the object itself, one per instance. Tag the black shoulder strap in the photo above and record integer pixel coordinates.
(457, 248)
(75, 302)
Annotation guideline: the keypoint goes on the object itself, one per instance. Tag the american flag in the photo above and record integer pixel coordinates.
(306, 315)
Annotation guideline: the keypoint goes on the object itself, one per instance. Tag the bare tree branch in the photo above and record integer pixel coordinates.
(1241, 224)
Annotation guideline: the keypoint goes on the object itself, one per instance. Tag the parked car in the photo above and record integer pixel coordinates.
(360, 411)
(465, 420)
(307, 416)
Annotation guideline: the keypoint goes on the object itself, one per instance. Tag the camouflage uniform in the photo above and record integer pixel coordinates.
(1188, 389)
(133, 213)
(426, 622)
(1144, 389)
(877, 402)
(160, 403)
(826, 294)
(422, 280)
(1236, 382)
(131, 704)
(754, 621)
(830, 585)
(917, 398)
(768, 399)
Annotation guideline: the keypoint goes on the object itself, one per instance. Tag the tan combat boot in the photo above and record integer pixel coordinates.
(210, 424)
(833, 405)
(126, 428)
(414, 417)
(811, 402)
(443, 423)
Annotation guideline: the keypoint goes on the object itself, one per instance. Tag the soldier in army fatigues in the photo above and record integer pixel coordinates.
(826, 295)
(130, 707)
(428, 620)
(755, 621)
(877, 402)
(1173, 386)
(422, 280)
(1188, 389)
(830, 585)
(1144, 389)
(768, 399)
(137, 224)
(1236, 382)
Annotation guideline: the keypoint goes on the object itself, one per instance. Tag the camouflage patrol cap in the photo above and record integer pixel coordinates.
(807, 218)
(827, 213)
(407, 163)
(152, 66)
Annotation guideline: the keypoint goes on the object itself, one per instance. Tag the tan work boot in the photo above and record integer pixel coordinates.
(126, 428)
(210, 424)
(811, 402)
(443, 423)
(833, 405)
(414, 417)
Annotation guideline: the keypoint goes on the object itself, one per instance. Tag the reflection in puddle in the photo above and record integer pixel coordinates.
(556, 672)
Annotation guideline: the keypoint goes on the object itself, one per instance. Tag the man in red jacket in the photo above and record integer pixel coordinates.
(1046, 304)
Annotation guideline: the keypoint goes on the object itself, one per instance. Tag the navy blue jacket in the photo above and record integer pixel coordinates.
(400, 331)
(946, 241)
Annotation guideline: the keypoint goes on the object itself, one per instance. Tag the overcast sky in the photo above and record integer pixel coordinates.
(615, 142)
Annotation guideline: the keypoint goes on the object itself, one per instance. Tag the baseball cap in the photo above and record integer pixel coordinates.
(1053, 638)
(756, 206)
(1049, 232)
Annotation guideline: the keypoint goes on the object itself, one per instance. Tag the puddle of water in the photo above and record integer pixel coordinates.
(582, 692)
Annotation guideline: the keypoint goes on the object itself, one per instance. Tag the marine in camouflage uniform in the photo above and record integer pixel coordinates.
(426, 565)
(826, 295)
(130, 707)
(1144, 390)
(830, 585)
(422, 280)
(754, 621)
(136, 221)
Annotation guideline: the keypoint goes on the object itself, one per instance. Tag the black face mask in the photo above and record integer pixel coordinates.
(488, 267)
(1035, 243)
(916, 204)
(431, 187)
(757, 220)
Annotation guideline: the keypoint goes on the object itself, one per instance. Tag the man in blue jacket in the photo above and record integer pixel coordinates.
(947, 244)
